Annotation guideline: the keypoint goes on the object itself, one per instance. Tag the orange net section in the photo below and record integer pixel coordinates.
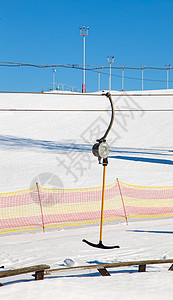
(147, 202)
(45, 208)
(40, 208)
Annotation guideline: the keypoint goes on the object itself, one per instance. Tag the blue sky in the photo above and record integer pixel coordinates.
(47, 32)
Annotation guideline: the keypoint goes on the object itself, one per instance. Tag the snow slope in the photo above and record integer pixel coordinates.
(59, 143)
(139, 240)
(35, 146)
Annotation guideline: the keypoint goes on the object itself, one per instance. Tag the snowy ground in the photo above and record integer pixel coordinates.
(54, 148)
(139, 240)
(59, 143)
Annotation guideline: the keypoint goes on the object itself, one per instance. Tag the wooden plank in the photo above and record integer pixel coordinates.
(23, 270)
(111, 265)
(171, 268)
(39, 275)
(142, 268)
(104, 272)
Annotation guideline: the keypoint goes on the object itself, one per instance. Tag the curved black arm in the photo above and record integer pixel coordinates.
(112, 119)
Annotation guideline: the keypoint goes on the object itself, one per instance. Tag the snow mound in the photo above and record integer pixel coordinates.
(69, 262)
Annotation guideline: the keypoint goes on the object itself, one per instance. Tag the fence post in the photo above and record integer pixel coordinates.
(40, 207)
(122, 201)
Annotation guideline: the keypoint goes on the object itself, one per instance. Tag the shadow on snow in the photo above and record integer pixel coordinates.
(141, 154)
(152, 231)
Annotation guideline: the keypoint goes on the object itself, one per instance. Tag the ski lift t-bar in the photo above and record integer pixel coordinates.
(101, 148)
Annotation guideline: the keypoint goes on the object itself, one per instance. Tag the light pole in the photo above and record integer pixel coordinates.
(142, 68)
(123, 68)
(62, 86)
(99, 71)
(54, 71)
(110, 61)
(98, 81)
(168, 67)
(84, 33)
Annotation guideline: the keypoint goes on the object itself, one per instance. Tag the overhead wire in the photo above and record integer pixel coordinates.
(93, 69)
(83, 110)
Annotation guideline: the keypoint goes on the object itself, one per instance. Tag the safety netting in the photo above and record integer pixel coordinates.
(42, 208)
(147, 202)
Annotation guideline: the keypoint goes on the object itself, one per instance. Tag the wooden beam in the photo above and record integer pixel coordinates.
(104, 272)
(171, 268)
(111, 265)
(142, 268)
(23, 270)
(39, 275)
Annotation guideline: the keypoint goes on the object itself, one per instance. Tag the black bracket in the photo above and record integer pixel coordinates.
(100, 142)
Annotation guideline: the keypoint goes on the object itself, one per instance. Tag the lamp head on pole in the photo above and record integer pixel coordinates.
(84, 30)
(110, 59)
